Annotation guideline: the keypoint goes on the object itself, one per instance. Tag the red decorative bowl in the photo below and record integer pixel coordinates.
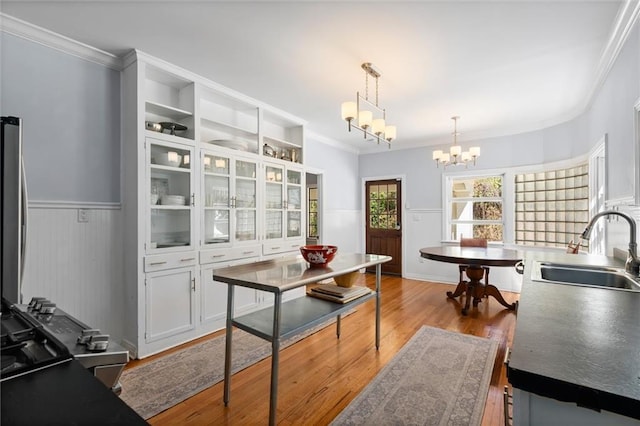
(318, 255)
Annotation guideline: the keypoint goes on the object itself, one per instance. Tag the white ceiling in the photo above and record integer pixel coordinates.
(503, 66)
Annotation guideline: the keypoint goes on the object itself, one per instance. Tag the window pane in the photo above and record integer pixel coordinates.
(490, 232)
(476, 210)
(490, 186)
(472, 202)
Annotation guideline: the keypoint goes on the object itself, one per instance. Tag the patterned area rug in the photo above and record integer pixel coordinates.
(154, 387)
(438, 378)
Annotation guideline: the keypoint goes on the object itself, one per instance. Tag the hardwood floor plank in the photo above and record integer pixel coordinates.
(320, 375)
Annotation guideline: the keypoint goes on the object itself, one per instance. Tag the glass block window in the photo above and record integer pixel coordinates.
(475, 207)
(552, 207)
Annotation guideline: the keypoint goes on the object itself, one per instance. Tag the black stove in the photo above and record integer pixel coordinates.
(39, 335)
(26, 346)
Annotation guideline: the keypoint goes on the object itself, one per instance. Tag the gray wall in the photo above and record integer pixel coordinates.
(71, 113)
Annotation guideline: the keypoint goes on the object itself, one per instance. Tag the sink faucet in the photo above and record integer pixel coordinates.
(632, 265)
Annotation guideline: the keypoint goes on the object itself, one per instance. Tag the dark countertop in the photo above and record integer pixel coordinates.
(576, 343)
(65, 394)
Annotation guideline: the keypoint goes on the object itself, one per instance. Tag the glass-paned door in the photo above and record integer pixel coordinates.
(217, 205)
(244, 201)
(312, 212)
(384, 228)
(294, 203)
(171, 198)
(274, 201)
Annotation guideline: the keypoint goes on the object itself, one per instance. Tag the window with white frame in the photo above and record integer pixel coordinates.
(475, 207)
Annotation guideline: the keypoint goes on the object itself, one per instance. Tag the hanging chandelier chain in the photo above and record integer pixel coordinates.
(366, 85)
(455, 129)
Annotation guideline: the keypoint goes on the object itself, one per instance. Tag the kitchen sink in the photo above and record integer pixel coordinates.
(594, 276)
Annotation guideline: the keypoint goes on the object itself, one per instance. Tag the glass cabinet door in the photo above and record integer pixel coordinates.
(244, 200)
(274, 201)
(171, 197)
(294, 203)
(217, 199)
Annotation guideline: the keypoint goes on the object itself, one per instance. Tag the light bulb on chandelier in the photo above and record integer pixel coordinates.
(370, 118)
(456, 155)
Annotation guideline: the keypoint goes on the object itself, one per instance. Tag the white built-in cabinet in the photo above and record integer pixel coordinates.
(283, 207)
(219, 182)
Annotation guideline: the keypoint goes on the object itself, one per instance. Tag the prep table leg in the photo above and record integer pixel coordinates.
(227, 349)
(275, 355)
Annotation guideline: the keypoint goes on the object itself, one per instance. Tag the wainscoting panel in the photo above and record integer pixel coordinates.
(77, 265)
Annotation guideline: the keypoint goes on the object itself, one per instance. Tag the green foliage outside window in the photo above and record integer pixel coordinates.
(383, 212)
(487, 210)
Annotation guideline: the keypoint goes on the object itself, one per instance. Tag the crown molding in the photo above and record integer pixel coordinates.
(311, 135)
(23, 29)
(624, 22)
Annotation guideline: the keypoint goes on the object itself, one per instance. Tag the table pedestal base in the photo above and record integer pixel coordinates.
(477, 290)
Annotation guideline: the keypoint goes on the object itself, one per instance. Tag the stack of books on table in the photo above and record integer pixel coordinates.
(338, 294)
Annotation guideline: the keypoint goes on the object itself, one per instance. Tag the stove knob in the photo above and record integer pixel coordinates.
(34, 301)
(48, 308)
(84, 338)
(38, 306)
(98, 343)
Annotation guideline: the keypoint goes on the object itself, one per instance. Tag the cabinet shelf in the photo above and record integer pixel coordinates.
(280, 143)
(297, 315)
(168, 207)
(167, 137)
(166, 111)
(170, 168)
(229, 129)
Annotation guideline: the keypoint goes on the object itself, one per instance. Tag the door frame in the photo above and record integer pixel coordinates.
(363, 214)
(320, 185)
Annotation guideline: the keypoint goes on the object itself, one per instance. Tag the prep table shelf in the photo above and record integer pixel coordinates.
(297, 315)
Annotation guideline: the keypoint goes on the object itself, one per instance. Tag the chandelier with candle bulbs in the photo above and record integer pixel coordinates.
(456, 156)
(369, 117)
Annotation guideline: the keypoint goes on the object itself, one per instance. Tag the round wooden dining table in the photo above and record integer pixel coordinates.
(475, 258)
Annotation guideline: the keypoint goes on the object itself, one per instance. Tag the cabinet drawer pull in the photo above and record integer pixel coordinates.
(248, 252)
(215, 256)
(295, 245)
(275, 248)
(507, 356)
(157, 263)
(187, 259)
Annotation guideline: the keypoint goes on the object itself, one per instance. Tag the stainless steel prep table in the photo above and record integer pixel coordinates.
(283, 320)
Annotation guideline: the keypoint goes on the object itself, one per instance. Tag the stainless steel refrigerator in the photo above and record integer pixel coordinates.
(13, 210)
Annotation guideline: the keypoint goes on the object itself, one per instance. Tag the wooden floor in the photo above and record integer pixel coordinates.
(320, 375)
